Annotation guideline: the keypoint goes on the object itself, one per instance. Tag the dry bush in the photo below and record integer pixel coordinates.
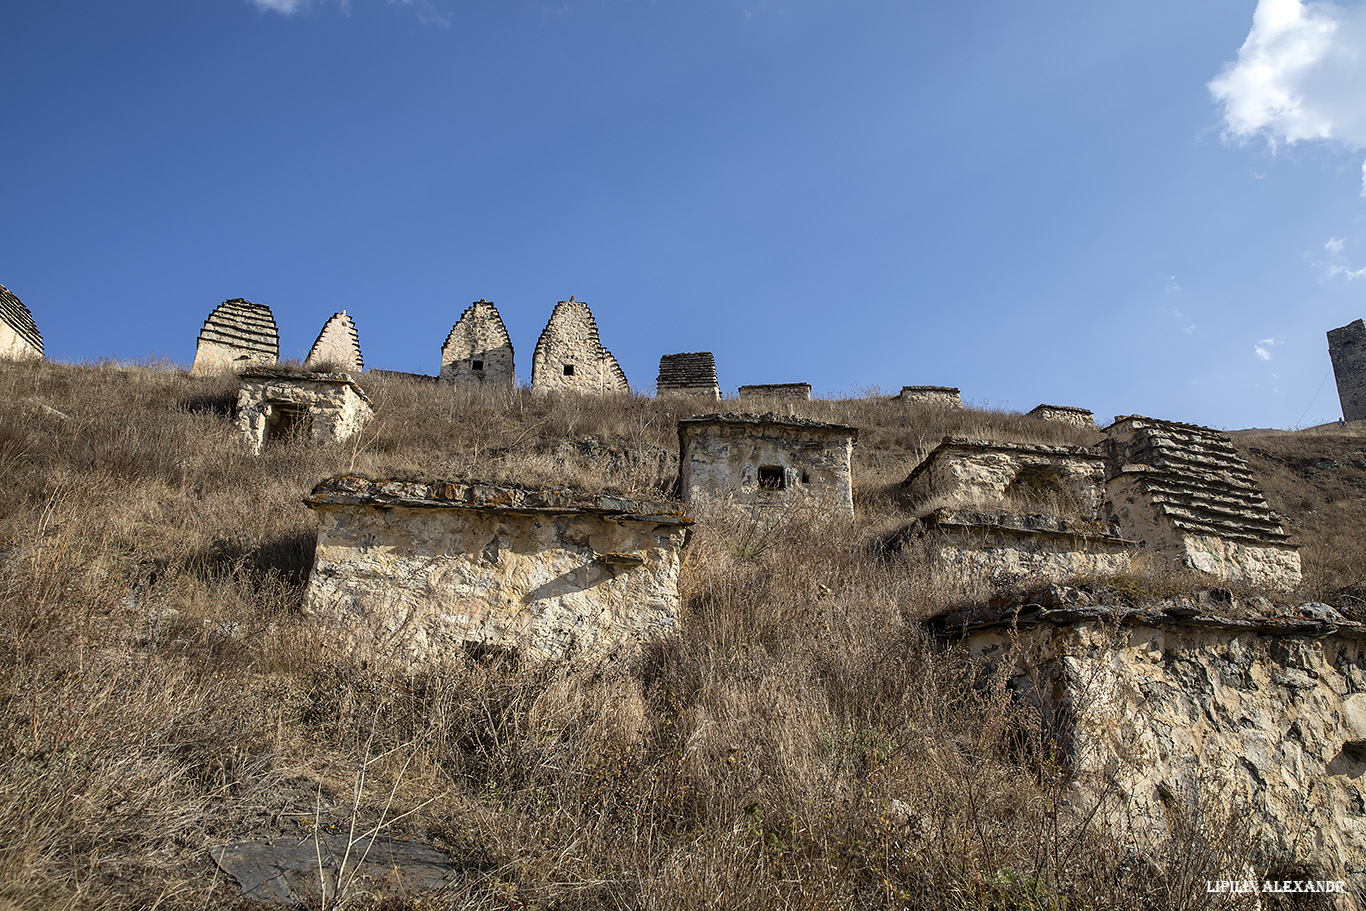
(799, 742)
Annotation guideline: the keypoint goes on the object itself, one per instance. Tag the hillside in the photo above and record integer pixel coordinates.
(800, 743)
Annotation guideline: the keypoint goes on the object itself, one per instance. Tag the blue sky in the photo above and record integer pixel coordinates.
(1149, 208)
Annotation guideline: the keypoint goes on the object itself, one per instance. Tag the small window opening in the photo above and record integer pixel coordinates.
(477, 365)
(806, 478)
(288, 422)
(568, 369)
(772, 477)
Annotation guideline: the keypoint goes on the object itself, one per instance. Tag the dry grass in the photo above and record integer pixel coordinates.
(800, 744)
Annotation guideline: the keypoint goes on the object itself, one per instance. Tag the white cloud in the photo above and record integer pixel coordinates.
(1298, 76)
(1189, 329)
(1349, 274)
(1334, 245)
(283, 7)
(1263, 348)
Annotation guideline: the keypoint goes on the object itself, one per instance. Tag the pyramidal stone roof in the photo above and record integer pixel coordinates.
(240, 324)
(1195, 477)
(480, 325)
(691, 372)
(338, 344)
(572, 332)
(16, 315)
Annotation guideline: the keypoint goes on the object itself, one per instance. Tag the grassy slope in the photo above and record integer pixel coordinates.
(799, 745)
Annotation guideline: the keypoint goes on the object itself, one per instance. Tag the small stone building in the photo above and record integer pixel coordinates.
(237, 335)
(478, 351)
(987, 508)
(1064, 414)
(688, 374)
(800, 391)
(337, 347)
(1347, 350)
(274, 404)
(569, 355)
(421, 571)
(1192, 708)
(930, 396)
(19, 335)
(764, 461)
(1185, 492)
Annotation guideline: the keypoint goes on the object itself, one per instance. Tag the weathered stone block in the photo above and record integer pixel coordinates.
(337, 347)
(1012, 546)
(777, 391)
(418, 571)
(274, 404)
(688, 374)
(19, 335)
(569, 355)
(931, 396)
(984, 475)
(766, 462)
(237, 335)
(1160, 714)
(478, 351)
(1185, 492)
(1064, 414)
(1347, 350)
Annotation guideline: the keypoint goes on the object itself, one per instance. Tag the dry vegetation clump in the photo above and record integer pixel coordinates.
(800, 743)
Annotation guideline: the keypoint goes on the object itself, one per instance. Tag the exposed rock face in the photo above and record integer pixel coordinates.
(337, 346)
(931, 396)
(478, 351)
(1157, 710)
(19, 335)
(236, 335)
(1064, 414)
(1185, 492)
(688, 374)
(1347, 349)
(570, 356)
(275, 404)
(1003, 509)
(418, 571)
(777, 391)
(766, 462)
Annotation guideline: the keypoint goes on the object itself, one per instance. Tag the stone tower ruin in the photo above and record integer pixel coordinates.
(688, 374)
(237, 335)
(19, 335)
(478, 351)
(1347, 349)
(337, 345)
(569, 355)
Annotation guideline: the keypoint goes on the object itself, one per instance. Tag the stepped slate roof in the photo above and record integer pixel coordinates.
(16, 315)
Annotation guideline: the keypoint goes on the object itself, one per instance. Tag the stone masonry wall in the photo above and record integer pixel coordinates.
(1060, 480)
(1185, 492)
(338, 346)
(478, 351)
(968, 543)
(1347, 349)
(931, 396)
(236, 335)
(323, 407)
(19, 335)
(570, 356)
(1174, 712)
(777, 391)
(766, 462)
(688, 374)
(1064, 414)
(420, 571)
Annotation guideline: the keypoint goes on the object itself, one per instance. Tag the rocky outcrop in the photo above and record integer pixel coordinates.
(688, 374)
(777, 391)
(19, 335)
(766, 462)
(1347, 349)
(236, 335)
(421, 571)
(478, 351)
(1187, 708)
(569, 355)
(1064, 414)
(930, 396)
(1186, 493)
(280, 405)
(337, 347)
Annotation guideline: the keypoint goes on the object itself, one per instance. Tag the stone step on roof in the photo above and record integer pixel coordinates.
(13, 312)
(245, 325)
(1223, 518)
(691, 370)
